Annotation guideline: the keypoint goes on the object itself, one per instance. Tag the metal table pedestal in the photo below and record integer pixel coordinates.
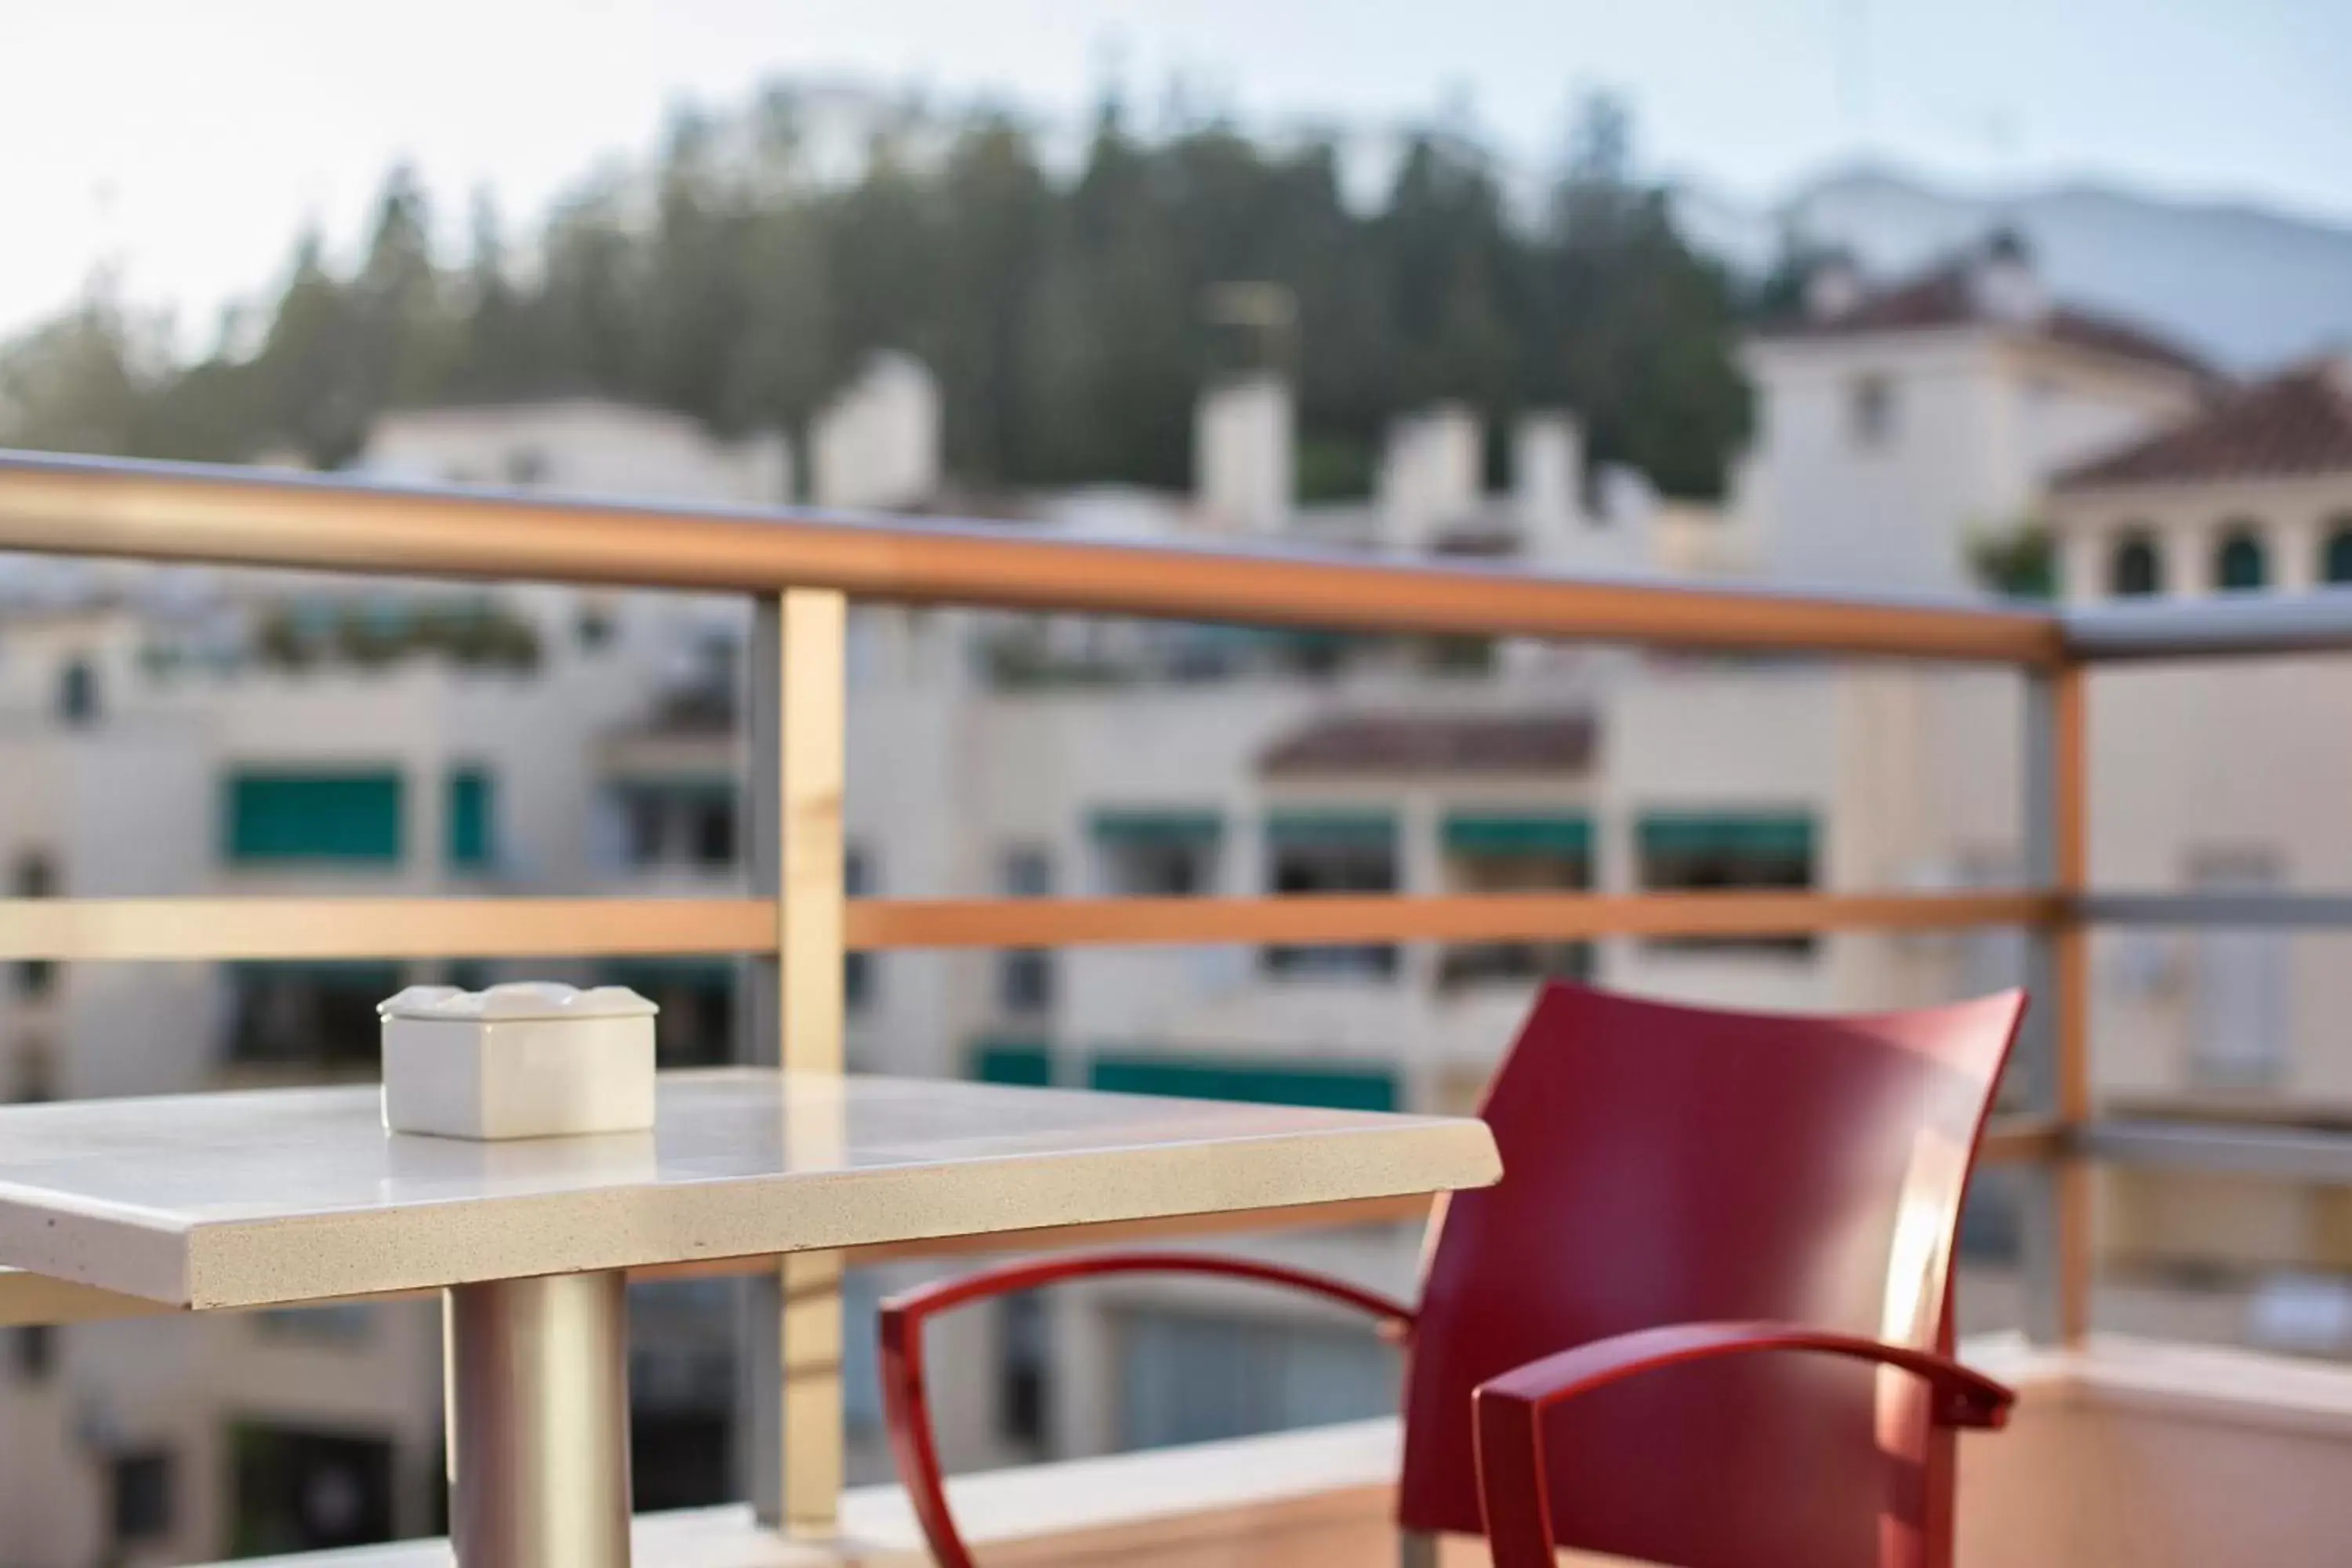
(538, 1385)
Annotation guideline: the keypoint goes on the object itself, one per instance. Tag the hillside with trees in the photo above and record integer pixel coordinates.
(1070, 316)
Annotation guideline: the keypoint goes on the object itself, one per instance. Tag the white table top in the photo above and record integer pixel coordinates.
(282, 1196)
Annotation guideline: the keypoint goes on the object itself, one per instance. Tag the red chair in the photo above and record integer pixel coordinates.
(1706, 1317)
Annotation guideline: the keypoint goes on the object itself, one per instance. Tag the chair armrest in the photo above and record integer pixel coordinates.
(906, 1399)
(1509, 1409)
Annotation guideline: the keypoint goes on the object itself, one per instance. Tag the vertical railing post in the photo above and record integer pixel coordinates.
(790, 1410)
(2056, 1055)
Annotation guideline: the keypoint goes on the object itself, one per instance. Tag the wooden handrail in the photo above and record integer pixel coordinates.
(185, 512)
(119, 930)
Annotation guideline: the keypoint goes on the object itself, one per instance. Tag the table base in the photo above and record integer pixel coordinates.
(536, 1375)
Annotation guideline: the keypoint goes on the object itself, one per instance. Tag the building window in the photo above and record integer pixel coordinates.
(2136, 570)
(1311, 852)
(1024, 977)
(295, 817)
(1873, 411)
(713, 824)
(1157, 854)
(857, 969)
(34, 877)
(2335, 555)
(1696, 851)
(319, 1013)
(1024, 982)
(35, 1352)
(1514, 852)
(305, 1489)
(689, 822)
(472, 827)
(1023, 1367)
(2240, 564)
(36, 1073)
(142, 1488)
(78, 692)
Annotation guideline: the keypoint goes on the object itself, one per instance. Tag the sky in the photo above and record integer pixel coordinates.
(181, 147)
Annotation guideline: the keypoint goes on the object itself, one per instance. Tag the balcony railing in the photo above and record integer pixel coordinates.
(800, 569)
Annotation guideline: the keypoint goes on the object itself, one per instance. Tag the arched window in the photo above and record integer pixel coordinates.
(2239, 561)
(2136, 570)
(2336, 553)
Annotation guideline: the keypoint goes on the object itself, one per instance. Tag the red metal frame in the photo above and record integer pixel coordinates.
(905, 1398)
(1509, 1409)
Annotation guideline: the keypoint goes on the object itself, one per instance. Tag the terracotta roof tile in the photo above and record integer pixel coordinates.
(1944, 298)
(1420, 743)
(2298, 423)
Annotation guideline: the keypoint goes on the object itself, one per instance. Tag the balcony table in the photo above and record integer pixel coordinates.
(277, 1198)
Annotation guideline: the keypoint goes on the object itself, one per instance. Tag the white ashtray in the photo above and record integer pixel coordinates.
(529, 1060)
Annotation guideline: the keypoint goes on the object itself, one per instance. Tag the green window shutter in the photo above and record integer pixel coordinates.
(1124, 826)
(1513, 832)
(1340, 1087)
(1780, 835)
(1374, 830)
(999, 1061)
(471, 818)
(283, 816)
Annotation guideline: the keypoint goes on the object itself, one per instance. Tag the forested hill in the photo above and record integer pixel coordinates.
(1072, 317)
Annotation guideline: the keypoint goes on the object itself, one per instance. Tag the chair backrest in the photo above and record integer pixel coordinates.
(1667, 1164)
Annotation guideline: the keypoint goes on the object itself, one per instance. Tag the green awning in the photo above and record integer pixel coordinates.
(1336, 1087)
(1128, 826)
(1002, 1060)
(1786, 835)
(1334, 829)
(1517, 832)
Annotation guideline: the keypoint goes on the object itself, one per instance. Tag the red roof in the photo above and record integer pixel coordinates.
(2298, 423)
(1422, 743)
(1948, 297)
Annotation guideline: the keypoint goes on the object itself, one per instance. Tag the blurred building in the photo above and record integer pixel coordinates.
(251, 730)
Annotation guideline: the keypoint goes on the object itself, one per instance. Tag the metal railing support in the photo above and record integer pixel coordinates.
(2055, 1047)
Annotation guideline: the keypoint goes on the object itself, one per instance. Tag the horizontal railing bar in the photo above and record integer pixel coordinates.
(2288, 1153)
(1492, 917)
(2024, 1140)
(116, 929)
(98, 930)
(2205, 909)
(27, 1298)
(2211, 626)
(183, 512)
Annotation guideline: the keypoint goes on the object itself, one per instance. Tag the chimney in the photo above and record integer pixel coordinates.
(2004, 283)
(1430, 475)
(1243, 468)
(1832, 286)
(1547, 476)
(876, 444)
